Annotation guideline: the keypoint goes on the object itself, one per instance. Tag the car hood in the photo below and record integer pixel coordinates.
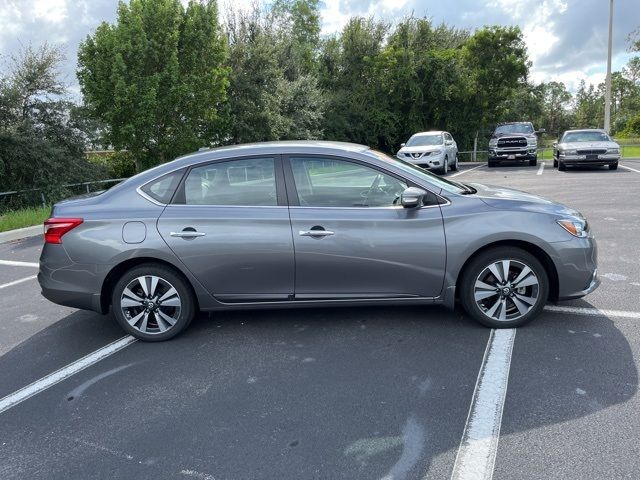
(508, 199)
(581, 145)
(425, 148)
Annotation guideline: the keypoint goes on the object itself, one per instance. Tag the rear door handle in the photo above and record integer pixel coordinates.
(187, 234)
(316, 233)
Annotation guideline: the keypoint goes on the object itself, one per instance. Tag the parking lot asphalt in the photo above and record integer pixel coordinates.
(343, 393)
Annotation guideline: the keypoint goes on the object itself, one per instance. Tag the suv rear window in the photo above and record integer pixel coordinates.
(161, 189)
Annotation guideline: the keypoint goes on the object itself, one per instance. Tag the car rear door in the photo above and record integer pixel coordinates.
(229, 224)
(352, 238)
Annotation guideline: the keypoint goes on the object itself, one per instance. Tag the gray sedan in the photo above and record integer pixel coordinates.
(589, 147)
(292, 224)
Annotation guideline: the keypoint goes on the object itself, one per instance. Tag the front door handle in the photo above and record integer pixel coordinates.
(187, 234)
(316, 233)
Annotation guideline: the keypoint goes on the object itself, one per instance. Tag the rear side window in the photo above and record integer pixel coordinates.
(245, 182)
(162, 189)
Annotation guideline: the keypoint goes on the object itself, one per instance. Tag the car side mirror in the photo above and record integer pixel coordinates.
(555, 144)
(402, 145)
(449, 142)
(412, 197)
(541, 131)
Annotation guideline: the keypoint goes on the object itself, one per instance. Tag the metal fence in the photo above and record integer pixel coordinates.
(36, 196)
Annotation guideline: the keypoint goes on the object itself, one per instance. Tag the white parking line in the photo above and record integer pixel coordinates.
(477, 452)
(540, 170)
(38, 386)
(12, 263)
(16, 282)
(593, 311)
(465, 171)
(629, 168)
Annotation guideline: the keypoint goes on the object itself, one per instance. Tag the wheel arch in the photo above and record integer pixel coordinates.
(118, 270)
(535, 250)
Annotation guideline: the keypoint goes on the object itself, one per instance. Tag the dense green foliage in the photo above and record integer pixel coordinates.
(157, 77)
(166, 79)
(40, 145)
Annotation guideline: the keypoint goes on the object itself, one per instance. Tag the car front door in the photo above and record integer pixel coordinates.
(229, 225)
(353, 239)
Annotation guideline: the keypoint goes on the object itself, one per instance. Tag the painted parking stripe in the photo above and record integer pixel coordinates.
(16, 282)
(38, 386)
(593, 311)
(477, 452)
(12, 263)
(629, 168)
(541, 169)
(465, 171)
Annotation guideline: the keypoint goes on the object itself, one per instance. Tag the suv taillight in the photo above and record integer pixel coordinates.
(55, 228)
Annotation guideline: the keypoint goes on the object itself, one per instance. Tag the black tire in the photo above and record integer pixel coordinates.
(479, 263)
(454, 167)
(555, 163)
(492, 164)
(533, 162)
(187, 309)
(445, 166)
(613, 166)
(561, 166)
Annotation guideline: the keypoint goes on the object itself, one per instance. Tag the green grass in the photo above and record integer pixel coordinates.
(23, 218)
(631, 151)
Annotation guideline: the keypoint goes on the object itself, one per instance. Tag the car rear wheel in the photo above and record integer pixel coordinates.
(613, 166)
(504, 287)
(153, 303)
(561, 166)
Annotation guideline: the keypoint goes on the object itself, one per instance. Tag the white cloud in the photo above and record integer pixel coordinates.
(50, 11)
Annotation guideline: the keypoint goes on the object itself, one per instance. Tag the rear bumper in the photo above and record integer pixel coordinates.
(81, 300)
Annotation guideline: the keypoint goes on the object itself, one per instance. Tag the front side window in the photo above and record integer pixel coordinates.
(326, 182)
(247, 182)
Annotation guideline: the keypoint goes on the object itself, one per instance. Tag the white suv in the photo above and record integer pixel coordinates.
(431, 150)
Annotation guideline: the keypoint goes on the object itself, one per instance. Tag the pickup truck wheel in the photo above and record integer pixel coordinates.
(613, 166)
(561, 166)
(491, 164)
(555, 163)
(533, 162)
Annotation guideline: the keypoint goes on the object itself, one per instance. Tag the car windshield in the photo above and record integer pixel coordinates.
(434, 180)
(425, 140)
(514, 128)
(589, 136)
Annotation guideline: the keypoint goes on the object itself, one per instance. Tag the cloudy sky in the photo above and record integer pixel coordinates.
(567, 39)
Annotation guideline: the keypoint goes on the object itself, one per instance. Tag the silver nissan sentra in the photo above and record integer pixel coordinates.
(291, 224)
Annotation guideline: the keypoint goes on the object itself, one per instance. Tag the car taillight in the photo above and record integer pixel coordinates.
(55, 228)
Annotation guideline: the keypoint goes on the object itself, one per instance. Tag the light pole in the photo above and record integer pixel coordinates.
(607, 95)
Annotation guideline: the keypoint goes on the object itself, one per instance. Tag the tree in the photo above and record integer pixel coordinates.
(157, 78)
(40, 146)
(556, 103)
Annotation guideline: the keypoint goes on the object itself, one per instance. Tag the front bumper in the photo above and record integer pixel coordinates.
(585, 160)
(513, 154)
(576, 263)
(428, 162)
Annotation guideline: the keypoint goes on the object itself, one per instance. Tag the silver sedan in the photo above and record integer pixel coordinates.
(586, 148)
(289, 224)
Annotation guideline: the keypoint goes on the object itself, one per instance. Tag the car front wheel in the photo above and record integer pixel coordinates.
(153, 303)
(613, 166)
(504, 287)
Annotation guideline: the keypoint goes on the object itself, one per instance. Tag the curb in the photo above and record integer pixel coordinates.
(20, 233)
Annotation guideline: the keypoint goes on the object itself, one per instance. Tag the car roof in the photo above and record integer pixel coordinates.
(515, 123)
(431, 132)
(599, 130)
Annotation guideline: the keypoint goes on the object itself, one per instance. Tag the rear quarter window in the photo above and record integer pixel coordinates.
(162, 189)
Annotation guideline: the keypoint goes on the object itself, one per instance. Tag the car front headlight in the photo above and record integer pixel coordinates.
(436, 152)
(575, 226)
(615, 151)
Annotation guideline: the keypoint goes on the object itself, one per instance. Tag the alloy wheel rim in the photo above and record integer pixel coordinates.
(506, 290)
(150, 304)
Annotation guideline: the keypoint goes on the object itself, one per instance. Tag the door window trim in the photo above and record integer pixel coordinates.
(292, 192)
(179, 198)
